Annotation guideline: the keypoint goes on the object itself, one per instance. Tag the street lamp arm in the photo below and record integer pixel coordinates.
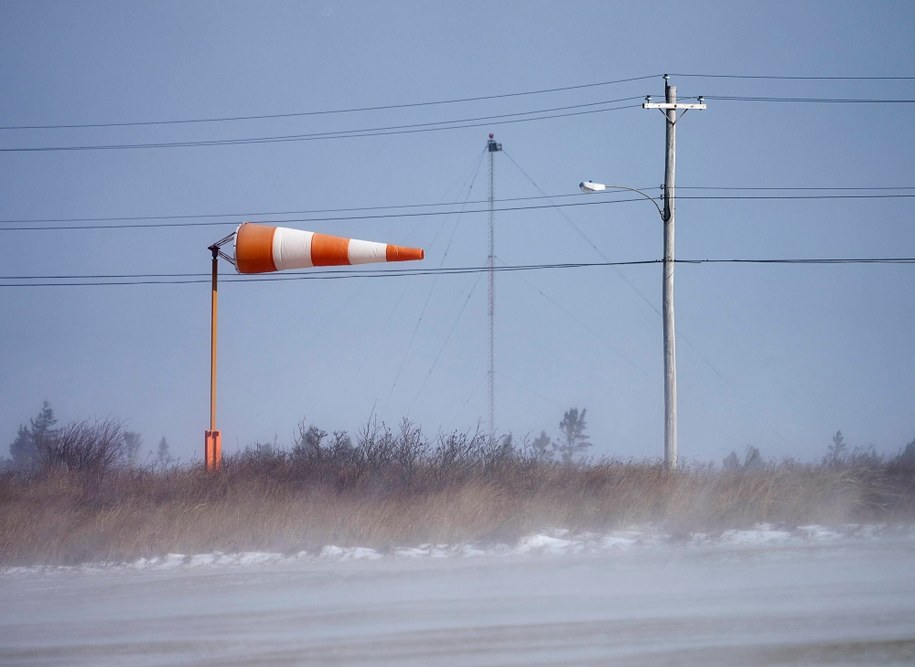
(590, 187)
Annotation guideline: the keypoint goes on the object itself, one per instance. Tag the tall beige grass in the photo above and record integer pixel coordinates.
(390, 491)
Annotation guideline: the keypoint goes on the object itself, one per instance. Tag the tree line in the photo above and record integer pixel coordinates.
(106, 444)
(78, 446)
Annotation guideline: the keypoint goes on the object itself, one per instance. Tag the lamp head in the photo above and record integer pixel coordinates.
(590, 187)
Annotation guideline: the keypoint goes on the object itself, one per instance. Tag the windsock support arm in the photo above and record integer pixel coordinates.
(216, 249)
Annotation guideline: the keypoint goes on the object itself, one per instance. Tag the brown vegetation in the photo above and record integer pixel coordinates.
(402, 489)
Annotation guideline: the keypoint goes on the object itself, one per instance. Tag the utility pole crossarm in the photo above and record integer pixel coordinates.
(676, 106)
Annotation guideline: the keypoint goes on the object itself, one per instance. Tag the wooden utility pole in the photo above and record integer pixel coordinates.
(670, 108)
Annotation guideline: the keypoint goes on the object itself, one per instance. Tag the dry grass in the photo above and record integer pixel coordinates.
(392, 490)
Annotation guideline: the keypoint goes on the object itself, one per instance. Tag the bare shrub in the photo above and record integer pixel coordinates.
(85, 447)
(457, 456)
(410, 449)
(308, 442)
(377, 446)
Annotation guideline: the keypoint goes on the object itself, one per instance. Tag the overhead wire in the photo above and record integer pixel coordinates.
(520, 116)
(164, 222)
(428, 103)
(804, 188)
(808, 100)
(782, 77)
(324, 112)
(197, 278)
(246, 214)
(412, 128)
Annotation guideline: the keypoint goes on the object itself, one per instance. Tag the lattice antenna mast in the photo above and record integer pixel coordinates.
(493, 147)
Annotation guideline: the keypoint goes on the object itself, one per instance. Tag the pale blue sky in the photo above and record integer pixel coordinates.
(773, 356)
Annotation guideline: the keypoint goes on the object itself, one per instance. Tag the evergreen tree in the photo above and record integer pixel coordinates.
(573, 440)
(753, 459)
(835, 453)
(543, 446)
(43, 425)
(41, 433)
(22, 451)
(506, 448)
(907, 457)
(132, 444)
(163, 458)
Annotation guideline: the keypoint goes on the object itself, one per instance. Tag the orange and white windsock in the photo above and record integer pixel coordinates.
(263, 248)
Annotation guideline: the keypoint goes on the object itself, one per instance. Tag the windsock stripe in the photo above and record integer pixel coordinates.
(396, 253)
(254, 248)
(292, 249)
(327, 250)
(365, 252)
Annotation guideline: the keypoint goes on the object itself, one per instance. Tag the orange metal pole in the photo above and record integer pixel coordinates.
(212, 443)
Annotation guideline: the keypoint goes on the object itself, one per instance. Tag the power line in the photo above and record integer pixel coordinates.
(429, 103)
(98, 280)
(191, 278)
(808, 100)
(779, 77)
(247, 214)
(413, 214)
(796, 188)
(413, 128)
(434, 126)
(391, 207)
(799, 197)
(810, 260)
(325, 112)
(378, 216)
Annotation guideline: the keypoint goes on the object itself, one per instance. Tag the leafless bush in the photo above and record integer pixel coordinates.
(408, 452)
(376, 444)
(307, 444)
(458, 455)
(85, 447)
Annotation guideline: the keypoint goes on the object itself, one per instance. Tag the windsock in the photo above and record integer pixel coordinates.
(263, 248)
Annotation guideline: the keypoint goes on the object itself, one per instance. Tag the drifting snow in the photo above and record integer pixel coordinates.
(768, 595)
(553, 542)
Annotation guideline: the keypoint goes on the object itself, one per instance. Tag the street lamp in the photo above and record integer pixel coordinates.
(590, 188)
(670, 349)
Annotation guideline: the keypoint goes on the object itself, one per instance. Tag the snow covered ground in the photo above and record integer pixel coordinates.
(767, 596)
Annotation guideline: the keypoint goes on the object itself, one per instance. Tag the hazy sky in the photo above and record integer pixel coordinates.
(776, 356)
